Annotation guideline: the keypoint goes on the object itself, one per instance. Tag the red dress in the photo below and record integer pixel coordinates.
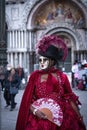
(60, 91)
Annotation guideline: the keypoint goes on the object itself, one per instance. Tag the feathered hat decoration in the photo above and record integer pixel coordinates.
(53, 45)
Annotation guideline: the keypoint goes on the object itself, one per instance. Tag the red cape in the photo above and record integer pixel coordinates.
(25, 103)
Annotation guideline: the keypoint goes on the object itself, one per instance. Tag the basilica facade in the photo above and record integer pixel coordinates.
(29, 20)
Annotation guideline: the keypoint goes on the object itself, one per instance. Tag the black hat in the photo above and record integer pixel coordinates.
(53, 53)
(53, 47)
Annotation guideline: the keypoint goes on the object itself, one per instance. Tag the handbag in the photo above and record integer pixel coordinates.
(13, 90)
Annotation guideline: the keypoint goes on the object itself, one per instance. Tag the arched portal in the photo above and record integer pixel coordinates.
(71, 38)
(45, 13)
(60, 17)
(71, 41)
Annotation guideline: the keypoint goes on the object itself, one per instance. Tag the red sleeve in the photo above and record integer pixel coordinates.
(66, 85)
(68, 93)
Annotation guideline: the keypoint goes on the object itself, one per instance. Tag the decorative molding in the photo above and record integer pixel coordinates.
(55, 26)
(63, 27)
(25, 14)
(29, 5)
(15, 13)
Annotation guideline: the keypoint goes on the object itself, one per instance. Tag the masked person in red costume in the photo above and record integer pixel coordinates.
(46, 88)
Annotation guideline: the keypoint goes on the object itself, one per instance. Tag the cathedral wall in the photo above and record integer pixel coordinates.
(14, 16)
(27, 22)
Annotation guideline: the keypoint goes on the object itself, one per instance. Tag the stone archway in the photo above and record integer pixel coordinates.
(71, 37)
(71, 44)
(65, 27)
(40, 11)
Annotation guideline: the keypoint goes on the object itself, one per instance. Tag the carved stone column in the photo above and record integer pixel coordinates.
(3, 46)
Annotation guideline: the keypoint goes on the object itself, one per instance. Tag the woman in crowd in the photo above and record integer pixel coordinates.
(51, 86)
(7, 85)
(14, 82)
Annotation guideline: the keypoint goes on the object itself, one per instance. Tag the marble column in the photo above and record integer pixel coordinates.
(10, 35)
(25, 59)
(16, 40)
(30, 40)
(25, 43)
(16, 59)
(12, 63)
(20, 59)
(19, 44)
(22, 39)
(13, 45)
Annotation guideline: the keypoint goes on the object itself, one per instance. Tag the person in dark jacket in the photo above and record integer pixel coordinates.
(2, 76)
(7, 86)
(14, 82)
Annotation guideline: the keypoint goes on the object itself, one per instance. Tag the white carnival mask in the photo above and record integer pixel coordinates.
(43, 62)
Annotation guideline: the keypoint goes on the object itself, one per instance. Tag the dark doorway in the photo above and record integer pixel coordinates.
(66, 66)
(67, 63)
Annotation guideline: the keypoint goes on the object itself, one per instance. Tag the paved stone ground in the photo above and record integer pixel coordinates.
(83, 99)
(8, 118)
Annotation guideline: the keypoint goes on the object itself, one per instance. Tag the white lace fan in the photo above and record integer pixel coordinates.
(51, 109)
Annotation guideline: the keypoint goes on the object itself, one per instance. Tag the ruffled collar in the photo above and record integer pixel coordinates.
(49, 70)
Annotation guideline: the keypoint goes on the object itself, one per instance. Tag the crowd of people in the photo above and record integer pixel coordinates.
(11, 80)
(79, 75)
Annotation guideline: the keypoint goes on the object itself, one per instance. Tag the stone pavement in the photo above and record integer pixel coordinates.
(8, 118)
